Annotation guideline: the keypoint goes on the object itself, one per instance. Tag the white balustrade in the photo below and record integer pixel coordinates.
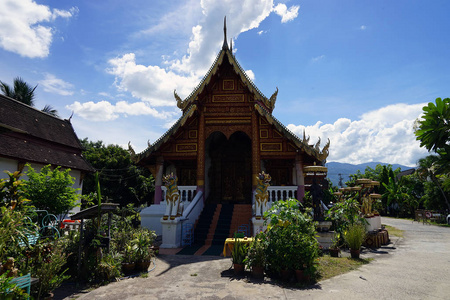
(281, 193)
(187, 192)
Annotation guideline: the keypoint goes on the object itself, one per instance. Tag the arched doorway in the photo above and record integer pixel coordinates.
(229, 170)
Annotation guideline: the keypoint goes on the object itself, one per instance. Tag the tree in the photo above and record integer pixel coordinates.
(120, 180)
(433, 131)
(426, 169)
(24, 93)
(51, 190)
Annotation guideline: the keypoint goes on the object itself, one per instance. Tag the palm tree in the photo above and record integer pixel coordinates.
(24, 93)
(427, 169)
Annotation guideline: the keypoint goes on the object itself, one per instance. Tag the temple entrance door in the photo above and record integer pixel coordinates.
(230, 171)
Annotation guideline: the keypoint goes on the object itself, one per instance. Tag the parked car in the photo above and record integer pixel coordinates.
(448, 219)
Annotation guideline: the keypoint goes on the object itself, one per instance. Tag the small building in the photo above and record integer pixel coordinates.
(226, 136)
(28, 135)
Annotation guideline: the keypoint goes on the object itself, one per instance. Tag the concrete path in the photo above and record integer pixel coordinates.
(415, 267)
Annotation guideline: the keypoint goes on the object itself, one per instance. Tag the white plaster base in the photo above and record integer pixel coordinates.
(151, 217)
(374, 223)
(258, 226)
(325, 239)
(171, 233)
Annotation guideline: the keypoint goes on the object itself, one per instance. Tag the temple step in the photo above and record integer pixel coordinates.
(242, 215)
(219, 222)
(203, 224)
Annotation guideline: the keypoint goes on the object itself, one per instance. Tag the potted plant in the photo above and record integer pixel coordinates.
(129, 257)
(143, 241)
(354, 237)
(256, 257)
(335, 245)
(307, 251)
(238, 255)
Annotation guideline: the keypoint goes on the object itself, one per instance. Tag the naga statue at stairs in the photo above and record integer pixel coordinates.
(261, 194)
(173, 206)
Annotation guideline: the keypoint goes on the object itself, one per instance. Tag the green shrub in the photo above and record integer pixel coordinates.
(239, 252)
(354, 236)
(290, 237)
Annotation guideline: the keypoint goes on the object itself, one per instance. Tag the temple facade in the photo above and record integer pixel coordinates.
(219, 147)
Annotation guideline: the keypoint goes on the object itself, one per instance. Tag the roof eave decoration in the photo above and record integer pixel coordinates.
(164, 138)
(314, 151)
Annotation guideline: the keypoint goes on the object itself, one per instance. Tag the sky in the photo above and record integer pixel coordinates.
(355, 72)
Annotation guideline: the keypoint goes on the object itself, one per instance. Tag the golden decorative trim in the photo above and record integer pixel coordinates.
(276, 134)
(263, 133)
(228, 85)
(263, 121)
(188, 147)
(244, 120)
(200, 182)
(277, 147)
(228, 98)
(193, 134)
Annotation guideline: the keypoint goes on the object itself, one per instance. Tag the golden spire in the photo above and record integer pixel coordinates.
(225, 44)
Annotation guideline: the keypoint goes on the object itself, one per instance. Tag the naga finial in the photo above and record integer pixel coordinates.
(325, 152)
(180, 103)
(131, 150)
(273, 99)
(305, 139)
(149, 144)
(317, 145)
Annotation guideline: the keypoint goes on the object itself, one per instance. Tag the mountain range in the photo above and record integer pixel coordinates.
(336, 168)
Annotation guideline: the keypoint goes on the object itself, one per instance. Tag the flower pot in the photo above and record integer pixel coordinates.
(258, 272)
(128, 268)
(238, 269)
(354, 253)
(334, 252)
(286, 275)
(143, 265)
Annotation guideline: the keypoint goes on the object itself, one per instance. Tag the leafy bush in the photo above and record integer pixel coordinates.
(256, 256)
(290, 237)
(51, 190)
(47, 261)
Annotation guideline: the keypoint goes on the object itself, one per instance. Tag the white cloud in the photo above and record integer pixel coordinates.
(363, 27)
(317, 58)
(155, 84)
(105, 111)
(21, 30)
(250, 74)
(150, 83)
(261, 32)
(285, 13)
(383, 135)
(55, 85)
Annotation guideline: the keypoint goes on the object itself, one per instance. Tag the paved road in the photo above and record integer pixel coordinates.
(418, 268)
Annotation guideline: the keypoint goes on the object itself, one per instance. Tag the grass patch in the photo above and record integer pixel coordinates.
(333, 266)
(394, 231)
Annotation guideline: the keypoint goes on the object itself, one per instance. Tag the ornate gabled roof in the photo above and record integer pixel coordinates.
(165, 137)
(314, 151)
(269, 103)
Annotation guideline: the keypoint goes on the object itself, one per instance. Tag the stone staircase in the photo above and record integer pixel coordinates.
(217, 222)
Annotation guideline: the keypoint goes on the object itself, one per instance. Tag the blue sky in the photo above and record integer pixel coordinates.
(356, 72)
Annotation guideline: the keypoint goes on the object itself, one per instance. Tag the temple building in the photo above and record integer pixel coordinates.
(217, 150)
